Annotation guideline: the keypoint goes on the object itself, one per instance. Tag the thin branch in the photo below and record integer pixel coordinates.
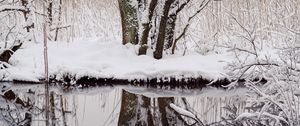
(248, 66)
(182, 6)
(202, 6)
(60, 27)
(243, 50)
(251, 38)
(39, 13)
(6, 37)
(4, 8)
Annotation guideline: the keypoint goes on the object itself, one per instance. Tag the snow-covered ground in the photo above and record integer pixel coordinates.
(108, 59)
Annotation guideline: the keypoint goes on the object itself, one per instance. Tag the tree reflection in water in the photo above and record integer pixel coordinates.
(140, 110)
(22, 107)
(14, 110)
(114, 107)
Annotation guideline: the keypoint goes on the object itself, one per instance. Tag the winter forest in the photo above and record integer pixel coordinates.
(150, 62)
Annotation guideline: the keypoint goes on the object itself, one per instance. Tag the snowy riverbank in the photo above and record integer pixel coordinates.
(101, 59)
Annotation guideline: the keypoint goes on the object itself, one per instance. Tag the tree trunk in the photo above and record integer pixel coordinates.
(134, 107)
(170, 28)
(49, 12)
(129, 22)
(162, 31)
(163, 104)
(59, 20)
(170, 31)
(63, 111)
(24, 3)
(6, 55)
(171, 23)
(163, 36)
(147, 28)
(52, 107)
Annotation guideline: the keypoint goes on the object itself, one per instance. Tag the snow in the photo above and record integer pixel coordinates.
(182, 111)
(257, 114)
(208, 91)
(108, 59)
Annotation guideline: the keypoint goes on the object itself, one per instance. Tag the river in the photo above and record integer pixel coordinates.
(119, 105)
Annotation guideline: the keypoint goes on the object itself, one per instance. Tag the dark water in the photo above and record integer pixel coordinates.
(105, 106)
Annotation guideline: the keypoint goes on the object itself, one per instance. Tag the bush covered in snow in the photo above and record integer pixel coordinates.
(275, 101)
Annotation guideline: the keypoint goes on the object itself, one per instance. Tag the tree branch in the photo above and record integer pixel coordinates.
(182, 6)
(4, 8)
(202, 6)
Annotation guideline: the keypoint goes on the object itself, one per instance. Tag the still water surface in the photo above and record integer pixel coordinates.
(121, 105)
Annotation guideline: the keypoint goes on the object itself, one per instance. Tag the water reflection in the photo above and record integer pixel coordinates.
(107, 106)
(14, 110)
(140, 110)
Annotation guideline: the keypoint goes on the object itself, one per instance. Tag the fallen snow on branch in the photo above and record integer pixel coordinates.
(246, 115)
(182, 111)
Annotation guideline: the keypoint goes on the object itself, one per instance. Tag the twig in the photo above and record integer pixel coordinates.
(6, 37)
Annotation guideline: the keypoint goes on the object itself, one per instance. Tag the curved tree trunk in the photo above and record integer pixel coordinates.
(6, 54)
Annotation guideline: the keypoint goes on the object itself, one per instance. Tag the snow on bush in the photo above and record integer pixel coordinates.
(276, 101)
